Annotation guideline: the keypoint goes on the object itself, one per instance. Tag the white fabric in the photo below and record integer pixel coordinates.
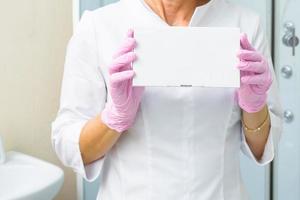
(185, 142)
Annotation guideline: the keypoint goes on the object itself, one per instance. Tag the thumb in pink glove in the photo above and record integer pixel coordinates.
(256, 77)
(119, 114)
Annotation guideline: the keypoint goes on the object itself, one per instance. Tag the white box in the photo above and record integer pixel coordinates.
(187, 56)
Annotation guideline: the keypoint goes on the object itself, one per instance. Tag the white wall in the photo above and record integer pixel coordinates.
(33, 37)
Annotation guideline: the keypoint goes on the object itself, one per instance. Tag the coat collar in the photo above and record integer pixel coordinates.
(143, 14)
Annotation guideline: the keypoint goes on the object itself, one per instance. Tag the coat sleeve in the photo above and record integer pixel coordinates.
(83, 95)
(260, 43)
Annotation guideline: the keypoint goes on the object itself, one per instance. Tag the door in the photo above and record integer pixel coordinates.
(287, 58)
(257, 179)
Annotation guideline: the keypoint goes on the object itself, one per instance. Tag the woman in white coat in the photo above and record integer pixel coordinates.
(163, 143)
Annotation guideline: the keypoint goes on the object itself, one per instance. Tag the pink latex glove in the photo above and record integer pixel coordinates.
(119, 114)
(256, 77)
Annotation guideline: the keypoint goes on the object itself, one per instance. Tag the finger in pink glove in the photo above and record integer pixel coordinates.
(119, 113)
(256, 77)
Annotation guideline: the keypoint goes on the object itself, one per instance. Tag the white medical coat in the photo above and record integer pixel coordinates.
(185, 142)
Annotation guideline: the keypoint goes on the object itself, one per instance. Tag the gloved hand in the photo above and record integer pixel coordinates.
(119, 114)
(256, 77)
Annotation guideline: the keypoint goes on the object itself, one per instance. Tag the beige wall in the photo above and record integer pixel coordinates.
(33, 38)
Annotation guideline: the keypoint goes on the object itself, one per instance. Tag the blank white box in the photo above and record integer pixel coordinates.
(187, 56)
